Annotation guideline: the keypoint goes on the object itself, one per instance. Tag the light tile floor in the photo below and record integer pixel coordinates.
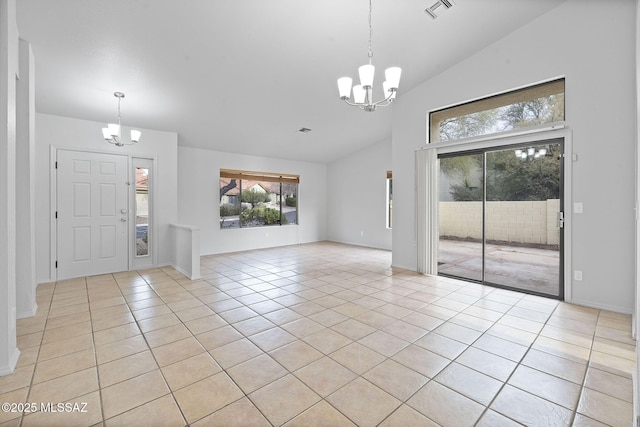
(317, 334)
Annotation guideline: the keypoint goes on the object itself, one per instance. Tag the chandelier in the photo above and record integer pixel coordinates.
(363, 93)
(113, 133)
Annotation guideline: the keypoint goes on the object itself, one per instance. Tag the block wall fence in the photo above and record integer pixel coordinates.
(516, 222)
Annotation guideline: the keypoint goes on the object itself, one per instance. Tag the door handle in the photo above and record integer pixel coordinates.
(123, 219)
(560, 219)
(124, 211)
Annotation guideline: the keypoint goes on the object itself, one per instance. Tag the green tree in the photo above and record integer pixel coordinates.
(473, 124)
(512, 178)
(536, 111)
(254, 197)
(465, 192)
(458, 166)
(465, 169)
(260, 216)
(508, 176)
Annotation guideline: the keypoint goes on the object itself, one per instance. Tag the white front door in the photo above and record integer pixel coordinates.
(92, 213)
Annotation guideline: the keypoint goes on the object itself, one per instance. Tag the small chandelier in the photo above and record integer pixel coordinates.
(363, 93)
(113, 133)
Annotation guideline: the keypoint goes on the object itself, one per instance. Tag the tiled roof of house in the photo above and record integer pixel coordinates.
(269, 187)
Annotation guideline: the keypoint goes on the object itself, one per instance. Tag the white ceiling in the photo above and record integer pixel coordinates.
(244, 75)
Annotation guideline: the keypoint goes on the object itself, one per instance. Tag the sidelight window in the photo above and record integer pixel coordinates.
(142, 211)
(389, 199)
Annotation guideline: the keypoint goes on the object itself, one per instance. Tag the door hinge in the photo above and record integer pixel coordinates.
(56, 214)
(56, 264)
(56, 165)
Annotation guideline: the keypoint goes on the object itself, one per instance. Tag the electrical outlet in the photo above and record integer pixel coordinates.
(577, 275)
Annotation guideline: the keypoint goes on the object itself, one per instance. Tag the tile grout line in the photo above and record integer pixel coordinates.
(518, 364)
(35, 367)
(175, 400)
(223, 370)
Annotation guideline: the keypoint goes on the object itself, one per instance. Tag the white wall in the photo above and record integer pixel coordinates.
(357, 185)
(592, 44)
(64, 132)
(198, 203)
(26, 278)
(9, 353)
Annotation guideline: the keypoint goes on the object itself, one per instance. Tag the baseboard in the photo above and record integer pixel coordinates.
(411, 268)
(27, 313)
(361, 244)
(11, 366)
(184, 273)
(600, 306)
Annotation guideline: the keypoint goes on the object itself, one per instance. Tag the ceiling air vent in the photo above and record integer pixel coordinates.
(438, 8)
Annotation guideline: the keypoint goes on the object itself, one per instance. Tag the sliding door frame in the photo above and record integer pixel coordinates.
(537, 136)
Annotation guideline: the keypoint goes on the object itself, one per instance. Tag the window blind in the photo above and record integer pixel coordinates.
(259, 176)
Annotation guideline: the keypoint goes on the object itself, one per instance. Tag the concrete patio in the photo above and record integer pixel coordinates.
(519, 267)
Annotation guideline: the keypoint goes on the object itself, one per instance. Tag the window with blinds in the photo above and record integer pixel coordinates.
(257, 199)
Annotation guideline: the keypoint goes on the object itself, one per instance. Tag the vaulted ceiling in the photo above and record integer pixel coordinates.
(245, 75)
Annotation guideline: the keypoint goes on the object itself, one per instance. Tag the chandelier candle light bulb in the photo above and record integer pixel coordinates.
(363, 93)
(366, 73)
(359, 94)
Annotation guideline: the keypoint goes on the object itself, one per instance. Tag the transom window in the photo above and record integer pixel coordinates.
(257, 199)
(532, 106)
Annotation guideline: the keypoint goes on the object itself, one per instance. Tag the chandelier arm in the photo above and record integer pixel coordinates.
(353, 104)
(388, 101)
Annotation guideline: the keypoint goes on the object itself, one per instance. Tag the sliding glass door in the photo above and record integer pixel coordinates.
(500, 217)
(460, 220)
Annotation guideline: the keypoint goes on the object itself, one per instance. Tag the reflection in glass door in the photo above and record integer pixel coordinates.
(522, 238)
(460, 218)
(513, 196)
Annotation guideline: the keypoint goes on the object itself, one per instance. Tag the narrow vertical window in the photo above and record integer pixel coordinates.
(142, 211)
(389, 199)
